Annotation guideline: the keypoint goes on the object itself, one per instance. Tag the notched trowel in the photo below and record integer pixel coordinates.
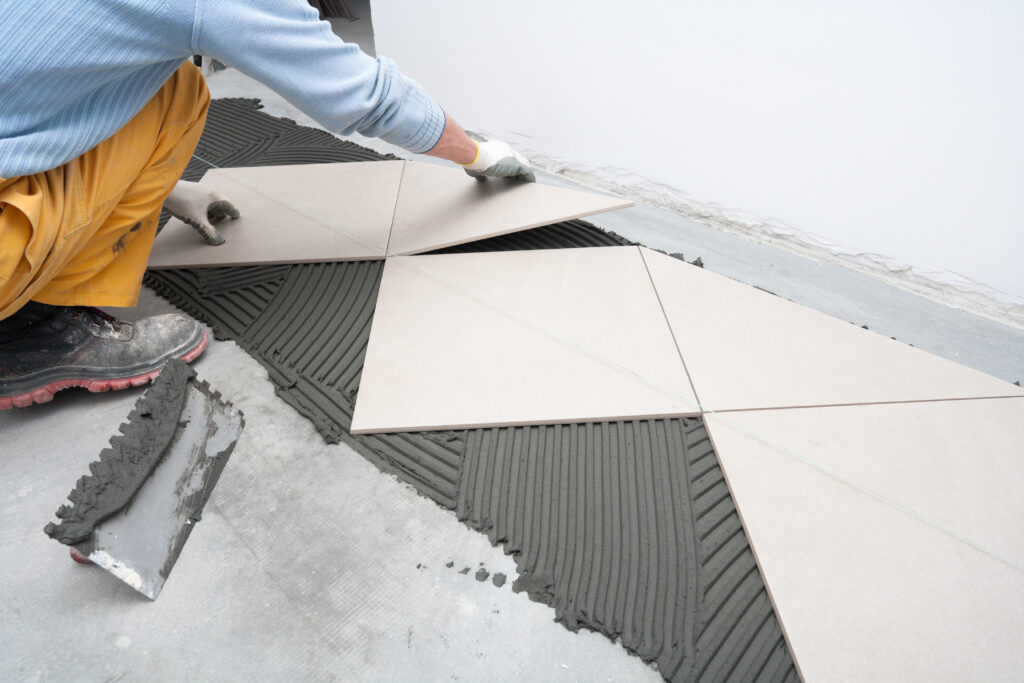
(134, 512)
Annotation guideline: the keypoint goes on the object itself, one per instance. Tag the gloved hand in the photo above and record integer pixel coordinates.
(497, 160)
(200, 208)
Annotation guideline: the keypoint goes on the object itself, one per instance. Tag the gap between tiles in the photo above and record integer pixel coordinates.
(394, 212)
(863, 403)
(672, 332)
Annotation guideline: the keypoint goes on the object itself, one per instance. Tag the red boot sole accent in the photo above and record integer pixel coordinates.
(79, 557)
(45, 394)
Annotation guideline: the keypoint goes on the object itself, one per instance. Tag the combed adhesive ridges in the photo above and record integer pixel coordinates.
(624, 528)
(228, 312)
(220, 280)
(627, 528)
(312, 334)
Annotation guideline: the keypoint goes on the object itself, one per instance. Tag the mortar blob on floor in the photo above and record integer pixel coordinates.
(133, 513)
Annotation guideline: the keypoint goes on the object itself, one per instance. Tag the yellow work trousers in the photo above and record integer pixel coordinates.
(80, 234)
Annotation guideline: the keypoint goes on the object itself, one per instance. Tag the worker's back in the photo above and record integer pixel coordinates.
(73, 73)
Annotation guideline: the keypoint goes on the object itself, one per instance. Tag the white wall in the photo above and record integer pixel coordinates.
(888, 127)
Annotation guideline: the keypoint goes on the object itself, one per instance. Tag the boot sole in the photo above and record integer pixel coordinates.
(45, 394)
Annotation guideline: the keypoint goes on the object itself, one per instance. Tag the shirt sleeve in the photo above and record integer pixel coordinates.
(283, 44)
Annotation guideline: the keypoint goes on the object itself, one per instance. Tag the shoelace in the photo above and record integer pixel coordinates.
(100, 319)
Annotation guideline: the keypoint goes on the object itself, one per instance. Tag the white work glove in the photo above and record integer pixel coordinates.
(200, 208)
(496, 159)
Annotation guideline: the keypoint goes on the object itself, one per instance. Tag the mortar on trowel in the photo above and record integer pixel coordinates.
(133, 513)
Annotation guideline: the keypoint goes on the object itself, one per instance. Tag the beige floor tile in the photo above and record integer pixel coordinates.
(525, 337)
(745, 348)
(439, 207)
(292, 214)
(864, 589)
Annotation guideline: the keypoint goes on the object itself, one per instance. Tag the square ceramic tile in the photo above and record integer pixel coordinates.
(745, 348)
(439, 207)
(292, 214)
(865, 589)
(528, 337)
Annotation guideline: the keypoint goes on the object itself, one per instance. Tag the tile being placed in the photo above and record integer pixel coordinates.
(865, 589)
(292, 214)
(521, 337)
(745, 348)
(439, 207)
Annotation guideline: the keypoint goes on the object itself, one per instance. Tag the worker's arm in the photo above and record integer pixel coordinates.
(455, 145)
(282, 44)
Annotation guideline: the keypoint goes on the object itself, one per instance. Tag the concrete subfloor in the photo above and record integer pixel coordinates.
(310, 563)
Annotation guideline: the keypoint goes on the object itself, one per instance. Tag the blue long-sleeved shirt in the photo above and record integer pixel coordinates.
(73, 73)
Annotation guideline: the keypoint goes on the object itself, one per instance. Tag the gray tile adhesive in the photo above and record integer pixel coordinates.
(626, 528)
(123, 468)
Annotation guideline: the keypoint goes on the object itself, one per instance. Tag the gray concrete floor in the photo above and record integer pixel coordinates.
(310, 563)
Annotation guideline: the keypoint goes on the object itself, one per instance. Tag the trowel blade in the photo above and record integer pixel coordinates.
(141, 543)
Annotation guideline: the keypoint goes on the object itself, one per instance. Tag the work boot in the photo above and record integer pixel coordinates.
(44, 349)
